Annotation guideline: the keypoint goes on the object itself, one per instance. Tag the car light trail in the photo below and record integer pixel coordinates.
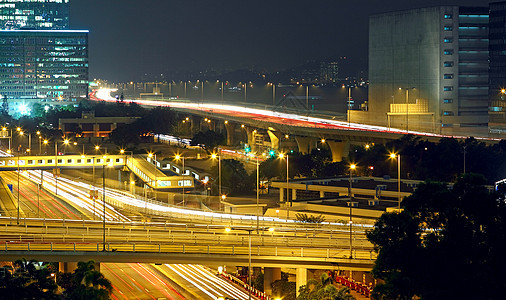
(269, 116)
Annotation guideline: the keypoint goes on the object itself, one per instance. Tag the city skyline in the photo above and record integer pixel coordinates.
(130, 40)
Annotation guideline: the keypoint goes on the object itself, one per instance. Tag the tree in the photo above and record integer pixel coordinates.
(323, 288)
(284, 288)
(27, 280)
(234, 177)
(208, 140)
(444, 240)
(85, 283)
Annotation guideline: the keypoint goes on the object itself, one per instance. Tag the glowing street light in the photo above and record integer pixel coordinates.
(398, 157)
(350, 192)
(177, 158)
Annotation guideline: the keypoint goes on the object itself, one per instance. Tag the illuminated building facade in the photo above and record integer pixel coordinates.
(41, 60)
(34, 14)
(428, 69)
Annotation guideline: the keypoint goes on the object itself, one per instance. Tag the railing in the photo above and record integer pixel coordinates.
(353, 285)
(255, 292)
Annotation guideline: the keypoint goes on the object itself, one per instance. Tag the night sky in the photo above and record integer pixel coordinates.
(129, 38)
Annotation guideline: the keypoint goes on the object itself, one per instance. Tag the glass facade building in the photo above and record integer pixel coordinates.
(41, 60)
(34, 14)
(48, 65)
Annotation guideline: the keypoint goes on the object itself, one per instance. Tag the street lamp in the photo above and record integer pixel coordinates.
(407, 106)
(153, 161)
(350, 192)
(214, 156)
(249, 230)
(398, 157)
(178, 157)
(288, 202)
(103, 198)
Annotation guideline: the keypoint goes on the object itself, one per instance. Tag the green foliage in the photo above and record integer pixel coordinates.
(323, 289)
(234, 177)
(27, 280)
(443, 239)
(304, 218)
(85, 283)
(208, 140)
(158, 120)
(284, 288)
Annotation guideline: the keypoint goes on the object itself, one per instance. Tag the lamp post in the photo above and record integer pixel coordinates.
(153, 160)
(249, 230)
(350, 192)
(18, 189)
(258, 193)
(349, 106)
(398, 157)
(288, 202)
(103, 199)
(407, 106)
(178, 157)
(214, 156)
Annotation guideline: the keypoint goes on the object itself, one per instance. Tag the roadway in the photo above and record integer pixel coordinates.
(129, 280)
(297, 122)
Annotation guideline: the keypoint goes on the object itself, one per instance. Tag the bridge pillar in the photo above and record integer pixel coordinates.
(294, 194)
(339, 150)
(67, 267)
(306, 144)
(195, 125)
(275, 139)
(230, 127)
(271, 275)
(250, 132)
(301, 275)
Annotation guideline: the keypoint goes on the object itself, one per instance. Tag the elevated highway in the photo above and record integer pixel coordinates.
(71, 240)
(264, 127)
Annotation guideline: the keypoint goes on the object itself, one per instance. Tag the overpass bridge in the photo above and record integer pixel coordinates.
(268, 127)
(143, 167)
(298, 247)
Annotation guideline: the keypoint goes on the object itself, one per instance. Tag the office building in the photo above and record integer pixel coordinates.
(41, 60)
(34, 14)
(329, 72)
(428, 70)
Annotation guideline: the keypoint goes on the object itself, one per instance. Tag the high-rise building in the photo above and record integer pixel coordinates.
(34, 14)
(329, 72)
(41, 60)
(497, 68)
(428, 69)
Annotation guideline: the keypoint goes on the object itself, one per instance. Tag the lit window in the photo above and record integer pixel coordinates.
(448, 28)
(448, 88)
(448, 40)
(448, 100)
(448, 52)
(448, 63)
(448, 76)
(448, 113)
(448, 16)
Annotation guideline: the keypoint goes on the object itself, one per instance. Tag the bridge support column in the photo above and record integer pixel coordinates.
(271, 275)
(132, 186)
(275, 139)
(251, 133)
(230, 133)
(322, 194)
(294, 194)
(339, 150)
(306, 144)
(67, 267)
(301, 275)
(195, 125)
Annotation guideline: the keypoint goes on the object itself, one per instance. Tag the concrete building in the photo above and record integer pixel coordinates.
(428, 70)
(90, 126)
(497, 69)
